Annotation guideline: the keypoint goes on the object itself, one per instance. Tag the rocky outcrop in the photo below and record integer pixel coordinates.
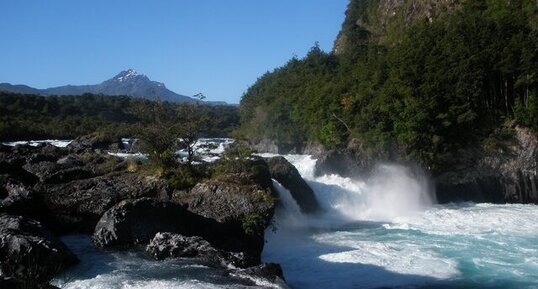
(29, 252)
(352, 161)
(505, 172)
(241, 207)
(269, 272)
(19, 199)
(94, 141)
(470, 185)
(287, 175)
(242, 204)
(137, 221)
(78, 205)
(170, 245)
(75, 167)
(12, 160)
(68, 191)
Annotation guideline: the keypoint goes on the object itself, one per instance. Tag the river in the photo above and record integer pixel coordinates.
(382, 232)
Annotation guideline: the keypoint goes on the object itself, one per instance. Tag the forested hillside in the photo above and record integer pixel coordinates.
(24, 117)
(416, 78)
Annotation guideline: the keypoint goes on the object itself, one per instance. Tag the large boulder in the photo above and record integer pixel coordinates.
(242, 207)
(170, 245)
(29, 252)
(137, 221)
(78, 205)
(287, 175)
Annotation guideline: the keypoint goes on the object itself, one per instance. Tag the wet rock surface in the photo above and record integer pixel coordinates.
(507, 173)
(81, 189)
(137, 221)
(170, 245)
(30, 253)
(77, 206)
(287, 175)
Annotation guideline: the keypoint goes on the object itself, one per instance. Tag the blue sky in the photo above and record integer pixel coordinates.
(217, 47)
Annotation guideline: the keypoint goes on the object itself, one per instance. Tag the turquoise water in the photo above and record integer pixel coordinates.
(362, 243)
(382, 232)
(100, 269)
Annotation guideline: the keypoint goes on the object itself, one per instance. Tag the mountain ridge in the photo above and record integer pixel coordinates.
(128, 82)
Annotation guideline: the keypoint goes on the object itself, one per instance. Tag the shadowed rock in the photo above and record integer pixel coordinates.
(242, 208)
(170, 245)
(137, 221)
(78, 205)
(288, 176)
(31, 253)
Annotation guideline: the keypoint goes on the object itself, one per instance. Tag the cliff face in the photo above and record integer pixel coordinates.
(506, 173)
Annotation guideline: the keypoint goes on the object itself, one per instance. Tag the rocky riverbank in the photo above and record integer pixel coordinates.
(502, 169)
(46, 191)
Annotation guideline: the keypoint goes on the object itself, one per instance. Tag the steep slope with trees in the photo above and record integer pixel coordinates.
(407, 79)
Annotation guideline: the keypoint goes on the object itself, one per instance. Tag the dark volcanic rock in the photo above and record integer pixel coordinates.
(12, 283)
(287, 175)
(241, 208)
(53, 173)
(19, 200)
(271, 272)
(170, 245)
(78, 205)
(94, 141)
(352, 161)
(137, 221)
(507, 173)
(467, 185)
(29, 252)
(13, 159)
(344, 163)
(227, 198)
(75, 167)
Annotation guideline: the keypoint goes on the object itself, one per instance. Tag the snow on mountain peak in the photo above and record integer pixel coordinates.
(126, 75)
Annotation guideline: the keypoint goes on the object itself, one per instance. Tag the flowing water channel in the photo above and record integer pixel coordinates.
(382, 232)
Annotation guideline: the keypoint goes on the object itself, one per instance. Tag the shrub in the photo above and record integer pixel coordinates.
(236, 159)
(253, 224)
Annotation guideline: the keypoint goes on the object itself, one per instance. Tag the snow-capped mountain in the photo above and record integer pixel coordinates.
(127, 82)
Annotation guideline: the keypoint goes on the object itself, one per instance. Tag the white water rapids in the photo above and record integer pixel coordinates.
(382, 232)
(386, 231)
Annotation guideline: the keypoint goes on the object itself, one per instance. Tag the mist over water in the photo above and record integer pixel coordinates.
(387, 231)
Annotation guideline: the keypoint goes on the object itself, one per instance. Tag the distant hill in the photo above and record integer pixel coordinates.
(127, 82)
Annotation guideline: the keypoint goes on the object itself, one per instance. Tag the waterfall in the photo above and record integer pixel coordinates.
(391, 191)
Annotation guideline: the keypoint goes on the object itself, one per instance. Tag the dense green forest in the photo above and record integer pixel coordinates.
(424, 85)
(24, 117)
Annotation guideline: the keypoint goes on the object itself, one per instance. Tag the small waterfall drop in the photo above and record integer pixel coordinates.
(391, 191)
(289, 214)
(383, 231)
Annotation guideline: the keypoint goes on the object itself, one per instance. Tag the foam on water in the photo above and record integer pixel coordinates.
(129, 270)
(384, 231)
(34, 143)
